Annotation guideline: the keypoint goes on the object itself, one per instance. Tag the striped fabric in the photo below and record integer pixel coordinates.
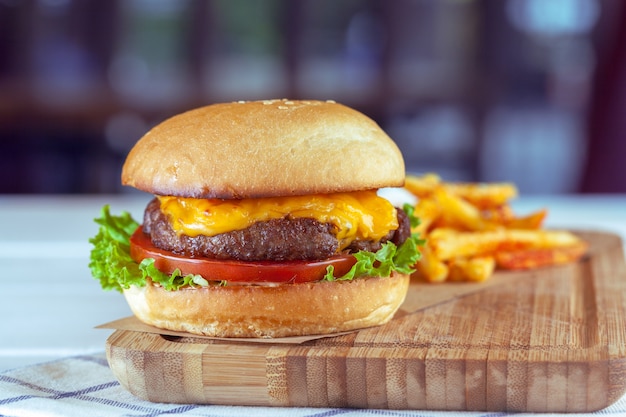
(84, 386)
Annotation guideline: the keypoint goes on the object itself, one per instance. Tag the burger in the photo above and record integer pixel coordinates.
(266, 222)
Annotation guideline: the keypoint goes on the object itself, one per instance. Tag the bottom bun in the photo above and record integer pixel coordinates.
(271, 311)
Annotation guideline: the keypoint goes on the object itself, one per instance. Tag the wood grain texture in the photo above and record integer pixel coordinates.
(549, 340)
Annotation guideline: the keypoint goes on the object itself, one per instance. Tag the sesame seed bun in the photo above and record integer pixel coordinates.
(264, 149)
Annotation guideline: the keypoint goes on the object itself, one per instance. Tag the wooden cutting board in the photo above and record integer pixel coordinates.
(549, 340)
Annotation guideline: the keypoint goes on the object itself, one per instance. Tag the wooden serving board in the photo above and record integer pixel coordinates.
(549, 340)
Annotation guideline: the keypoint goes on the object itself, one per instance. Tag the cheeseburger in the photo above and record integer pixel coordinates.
(265, 222)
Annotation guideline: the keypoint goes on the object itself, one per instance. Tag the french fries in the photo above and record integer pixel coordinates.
(536, 258)
(471, 230)
(448, 243)
(431, 267)
(476, 269)
(481, 195)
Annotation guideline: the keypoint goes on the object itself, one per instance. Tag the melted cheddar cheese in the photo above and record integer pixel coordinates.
(361, 215)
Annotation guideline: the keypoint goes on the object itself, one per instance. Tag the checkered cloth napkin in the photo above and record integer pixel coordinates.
(84, 386)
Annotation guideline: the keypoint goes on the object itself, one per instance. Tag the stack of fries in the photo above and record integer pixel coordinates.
(471, 229)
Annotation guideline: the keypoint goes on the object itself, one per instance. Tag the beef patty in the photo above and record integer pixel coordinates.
(279, 239)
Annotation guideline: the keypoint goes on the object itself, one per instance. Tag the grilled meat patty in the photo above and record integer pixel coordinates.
(278, 240)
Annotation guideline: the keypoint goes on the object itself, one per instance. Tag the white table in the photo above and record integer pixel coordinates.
(50, 302)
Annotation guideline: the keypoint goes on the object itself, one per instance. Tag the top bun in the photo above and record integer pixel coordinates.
(264, 149)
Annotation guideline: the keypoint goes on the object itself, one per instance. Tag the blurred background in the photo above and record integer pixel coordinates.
(530, 91)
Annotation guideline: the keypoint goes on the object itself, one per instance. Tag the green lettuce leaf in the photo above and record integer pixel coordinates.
(170, 282)
(111, 264)
(110, 261)
(387, 259)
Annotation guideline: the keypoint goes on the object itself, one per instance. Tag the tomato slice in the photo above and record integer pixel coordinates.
(141, 247)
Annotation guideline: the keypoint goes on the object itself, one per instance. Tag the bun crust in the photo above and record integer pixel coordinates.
(271, 311)
(264, 149)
